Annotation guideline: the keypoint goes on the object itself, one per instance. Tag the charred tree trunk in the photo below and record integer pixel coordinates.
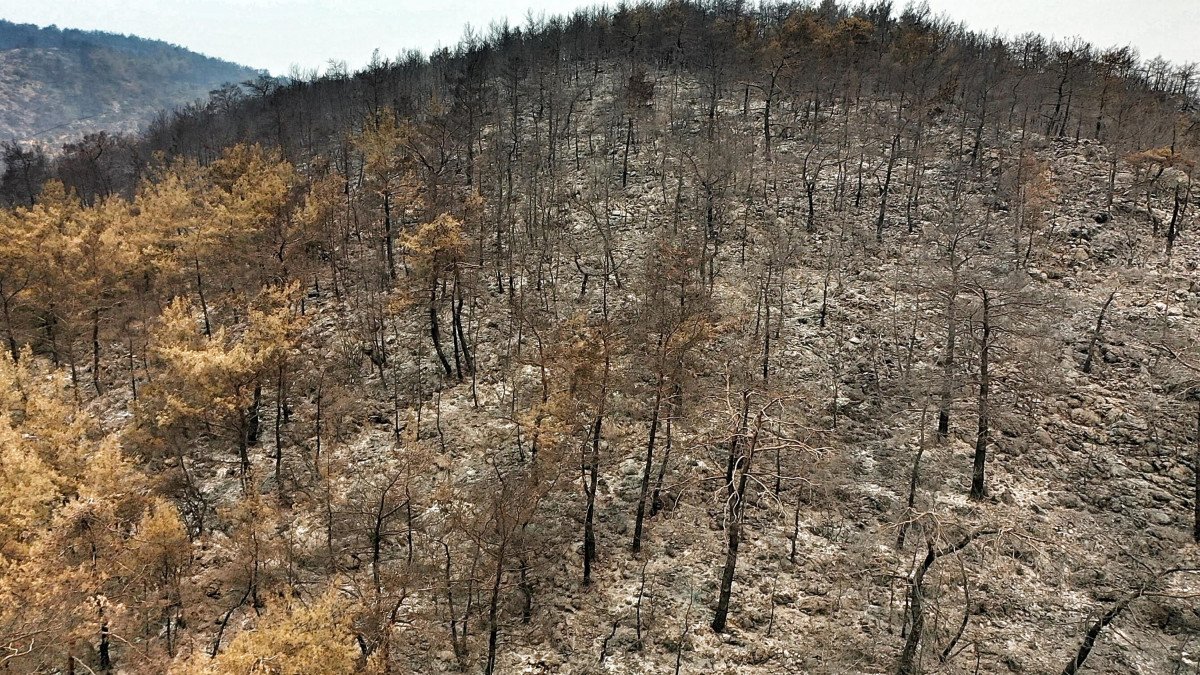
(200, 295)
(254, 417)
(1093, 632)
(913, 478)
(435, 331)
(389, 237)
(589, 530)
(978, 488)
(10, 335)
(593, 477)
(1173, 226)
(625, 160)
(943, 428)
(280, 413)
(243, 429)
(656, 504)
(1087, 362)
(647, 467)
(458, 325)
(916, 610)
(737, 511)
(1111, 190)
(457, 641)
(494, 613)
(887, 186)
(96, 351)
(907, 664)
(810, 189)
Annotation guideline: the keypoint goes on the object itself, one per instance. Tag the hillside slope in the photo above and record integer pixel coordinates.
(57, 84)
(858, 344)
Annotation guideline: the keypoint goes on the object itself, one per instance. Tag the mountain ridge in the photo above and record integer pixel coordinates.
(64, 83)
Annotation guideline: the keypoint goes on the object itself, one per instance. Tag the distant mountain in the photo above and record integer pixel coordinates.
(61, 83)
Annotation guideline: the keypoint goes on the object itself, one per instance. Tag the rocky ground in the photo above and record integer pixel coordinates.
(1090, 474)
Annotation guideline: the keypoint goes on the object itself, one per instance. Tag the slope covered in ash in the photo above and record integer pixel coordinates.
(675, 339)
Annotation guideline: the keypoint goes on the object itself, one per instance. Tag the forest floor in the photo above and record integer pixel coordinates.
(1090, 489)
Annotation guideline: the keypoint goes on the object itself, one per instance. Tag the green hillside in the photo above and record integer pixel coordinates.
(61, 83)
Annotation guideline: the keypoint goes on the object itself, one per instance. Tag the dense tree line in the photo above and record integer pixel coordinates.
(797, 57)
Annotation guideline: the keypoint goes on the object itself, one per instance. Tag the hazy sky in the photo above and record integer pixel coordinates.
(274, 34)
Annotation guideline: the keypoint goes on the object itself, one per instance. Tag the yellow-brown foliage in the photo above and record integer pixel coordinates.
(299, 639)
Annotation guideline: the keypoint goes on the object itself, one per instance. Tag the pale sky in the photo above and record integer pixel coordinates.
(275, 34)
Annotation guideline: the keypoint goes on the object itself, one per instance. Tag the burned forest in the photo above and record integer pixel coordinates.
(680, 337)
